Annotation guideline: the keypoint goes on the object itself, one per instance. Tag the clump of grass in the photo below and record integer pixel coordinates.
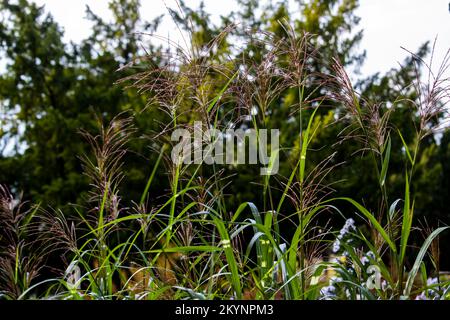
(192, 243)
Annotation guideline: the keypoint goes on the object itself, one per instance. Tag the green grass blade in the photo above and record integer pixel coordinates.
(222, 91)
(372, 220)
(385, 165)
(412, 274)
(152, 175)
(406, 148)
(305, 144)
(229, 255)
(406, 223)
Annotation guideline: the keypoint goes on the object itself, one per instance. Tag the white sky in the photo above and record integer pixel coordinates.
(387, 24)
